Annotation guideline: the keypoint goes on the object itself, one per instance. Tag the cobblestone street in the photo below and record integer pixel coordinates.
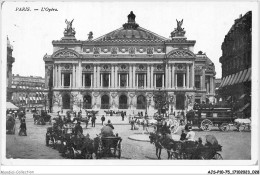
(236, 145)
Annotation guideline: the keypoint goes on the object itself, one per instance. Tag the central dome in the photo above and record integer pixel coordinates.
(131, 31)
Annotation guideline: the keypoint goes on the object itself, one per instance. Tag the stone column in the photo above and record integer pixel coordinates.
(170, 77)
(73, 75)
(101, 79)
(187, 76)
(155, 76)
(134, 86)
(58, 75)
(119, 78)
(176, 80)
(109, 80)
(192, 75)
(148, 76)
(183, 80)
(54, 76)
(62, 80)
(98, 76)
(116, 82)
(91, 80)
(145, 80)
(173, 76)
(95, 76)
(127, 84)
(211, 84)
(80, 74)
(163, 81)
(203, 79)
(151, 76)
(112, 76)
(130, 76)
(137, 80)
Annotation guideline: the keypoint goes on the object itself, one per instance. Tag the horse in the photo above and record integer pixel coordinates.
(161, 142)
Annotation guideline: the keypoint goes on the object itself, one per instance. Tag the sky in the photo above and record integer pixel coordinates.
(31, 32)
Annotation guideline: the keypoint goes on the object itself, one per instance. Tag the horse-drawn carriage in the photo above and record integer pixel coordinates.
(109, 147)
(177, 149)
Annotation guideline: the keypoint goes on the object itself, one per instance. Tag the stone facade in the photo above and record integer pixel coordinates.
(123, 69)
(236, 63)
(29, 92)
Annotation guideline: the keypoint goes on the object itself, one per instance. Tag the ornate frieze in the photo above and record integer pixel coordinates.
(87, 67)
(114, 51)
(158, 67)
(65, 54)
(66, 67)
(149, 51)
(180, 53)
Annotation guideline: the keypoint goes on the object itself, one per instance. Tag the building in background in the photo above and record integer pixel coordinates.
(217, 84)
(10, 60)
(29, 92)
(236, 58)
(123, 69)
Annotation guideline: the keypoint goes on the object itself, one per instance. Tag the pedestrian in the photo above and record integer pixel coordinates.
(110, 124)
(122, 115)
(86, 121)
(103, 119)
(78, 129)
(23, 127)
(93, 120)
(132, 123)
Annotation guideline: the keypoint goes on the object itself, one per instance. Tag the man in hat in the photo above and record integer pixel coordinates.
(78, 128)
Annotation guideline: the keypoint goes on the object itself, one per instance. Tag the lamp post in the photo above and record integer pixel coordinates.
(45, 102)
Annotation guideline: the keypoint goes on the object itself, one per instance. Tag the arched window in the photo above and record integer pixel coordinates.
(123, 102)
(105, 102)
(141, 102)
(87, 100)
(66, 101)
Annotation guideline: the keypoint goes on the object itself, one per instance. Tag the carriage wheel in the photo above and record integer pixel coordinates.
(206, 125)
(224, 127)
(217, 156)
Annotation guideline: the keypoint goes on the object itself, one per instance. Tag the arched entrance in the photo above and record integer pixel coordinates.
(123, 102)
(105, 102)
(87, 101)
(66, 101)
(180, 101)
(141, 102)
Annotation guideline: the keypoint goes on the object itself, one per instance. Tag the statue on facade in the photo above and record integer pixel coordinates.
(131, 22)
(69, 31)
(179, 31)
(90, 35)
(131, 17)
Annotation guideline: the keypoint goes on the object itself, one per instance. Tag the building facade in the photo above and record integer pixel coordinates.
(10, 60)
(29, 92)
(122, 70)
(236, 58)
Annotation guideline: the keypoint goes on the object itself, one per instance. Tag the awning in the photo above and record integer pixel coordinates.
(23, 98)
(228, 78)
(37, 92)
(231, 79)
(20, 98)
(222, 81)
(248, 75)
(242, 96)
(234, 79)
(238, 77)
(244, 107)
(31, 98)
(242, 76)
(10, 105)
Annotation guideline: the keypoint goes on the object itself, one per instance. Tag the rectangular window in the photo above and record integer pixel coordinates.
(105, 80)
(87, 80)
(207, 83)
(197, 81)
(66, 79)
(140, 80)
(123, 78)
(159, 80)
(180, 79)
